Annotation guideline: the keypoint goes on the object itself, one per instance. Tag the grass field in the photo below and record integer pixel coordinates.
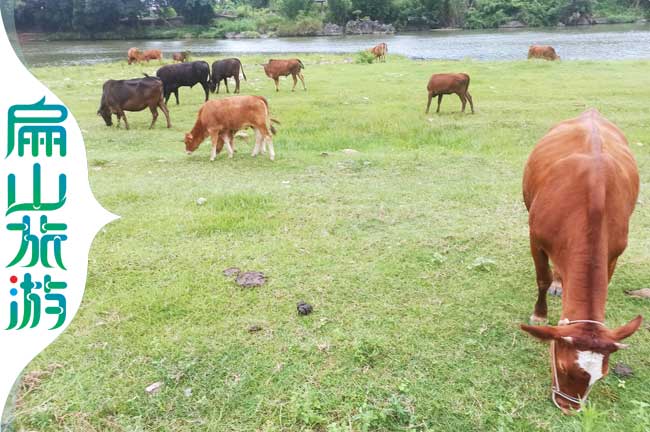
(414, 253)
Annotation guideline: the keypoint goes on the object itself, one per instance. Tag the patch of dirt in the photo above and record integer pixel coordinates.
(251, 279)
(254, 328)
(231, 271)
(622, 370)
(304, 308)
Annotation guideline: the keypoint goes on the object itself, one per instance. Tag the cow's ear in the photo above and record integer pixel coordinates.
(542, 332)
(627, 329)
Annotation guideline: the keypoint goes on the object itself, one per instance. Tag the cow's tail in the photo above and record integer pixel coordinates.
(301, 65)
(269, 120)
(241, 66)
(273, 130)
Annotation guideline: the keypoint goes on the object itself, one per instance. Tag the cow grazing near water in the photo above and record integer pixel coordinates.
(545, 52)
(152, 54)
(189, 74)
(134, 55)
(379, 51)
(449, 83)
(224, 69)
(274, 69)
(221, 119)
(132, 95)
(580, 187)
(181, 57)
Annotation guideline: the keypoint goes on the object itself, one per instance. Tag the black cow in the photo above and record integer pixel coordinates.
(224, 69)
(132, 95)
(189, 74)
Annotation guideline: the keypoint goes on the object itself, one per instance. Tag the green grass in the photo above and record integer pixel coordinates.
(414, 253)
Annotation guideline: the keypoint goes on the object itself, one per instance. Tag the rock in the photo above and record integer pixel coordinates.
(231, 271)
(331, 29)
(201, 201)
(304, 308)
(254, 328)
(483, 264)
(251, 279)
(622, 370)
(187, 392)
(366, 26)
(642, 293)
(154, 388)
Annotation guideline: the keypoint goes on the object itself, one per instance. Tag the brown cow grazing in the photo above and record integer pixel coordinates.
(132, 95)
(134, 55)
(221, 119)
(545, 52)
(580, 187)
(181, 57)
(448, 83)
(380, 51)
(274, 69)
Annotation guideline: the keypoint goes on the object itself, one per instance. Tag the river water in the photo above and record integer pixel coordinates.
(609, 42)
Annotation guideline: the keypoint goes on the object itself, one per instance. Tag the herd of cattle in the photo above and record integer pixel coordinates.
(580, 184)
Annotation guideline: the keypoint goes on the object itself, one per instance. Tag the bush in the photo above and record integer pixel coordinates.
(301, 26)
(292, 8)
(365, 57)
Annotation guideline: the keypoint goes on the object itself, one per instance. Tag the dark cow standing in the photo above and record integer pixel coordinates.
(189, 74)
(224, 69)
(132, 95)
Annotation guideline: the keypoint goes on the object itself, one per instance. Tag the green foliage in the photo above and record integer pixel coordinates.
(292, 8)
(301, 26)
(194, 11)
(338, 11)
(168, 12)
(383, 10)
(365, 57)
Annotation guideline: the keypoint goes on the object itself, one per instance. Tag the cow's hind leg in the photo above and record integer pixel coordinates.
(556, 285)
(258, 143)
(126, 123)
(206, 89)
(277, 84)
(176, 95)
(471, 102)
(295, 81)
(228, 142)
(544, 279)
(236, 83)
(225, 81)
(463, 102)
(302, 79)
(439, 102)
(154, 115)
(214, 137)
(266, 138)
(165, 111)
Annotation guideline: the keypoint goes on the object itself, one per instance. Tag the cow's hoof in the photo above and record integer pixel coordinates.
(535, 320)
(555, 289)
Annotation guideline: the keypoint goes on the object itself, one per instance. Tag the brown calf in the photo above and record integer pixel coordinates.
(380, 51)
(580, 187)
(221, 119)
(181, 57)
(545, 52)
(134, 55)
(274, 69)
(448, 83)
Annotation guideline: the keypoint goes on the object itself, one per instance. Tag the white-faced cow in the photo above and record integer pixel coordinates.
(580, 187)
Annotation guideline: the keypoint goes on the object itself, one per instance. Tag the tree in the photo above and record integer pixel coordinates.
(44, 15)
(194, 11)
(338, 11)
(291, 8)
(382, 10)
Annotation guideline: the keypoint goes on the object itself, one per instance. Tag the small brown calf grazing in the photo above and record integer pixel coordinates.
(580, 187)
(132, 95)
(448, 83)
(221, 119)
(274, 69)
(545, 52)
(181, 57)
(380, 51)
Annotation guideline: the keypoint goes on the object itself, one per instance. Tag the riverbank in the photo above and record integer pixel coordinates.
(413, 250)
(604, 42)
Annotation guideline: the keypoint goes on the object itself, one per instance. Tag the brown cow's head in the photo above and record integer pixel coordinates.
(191, 143)
(580, 353)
